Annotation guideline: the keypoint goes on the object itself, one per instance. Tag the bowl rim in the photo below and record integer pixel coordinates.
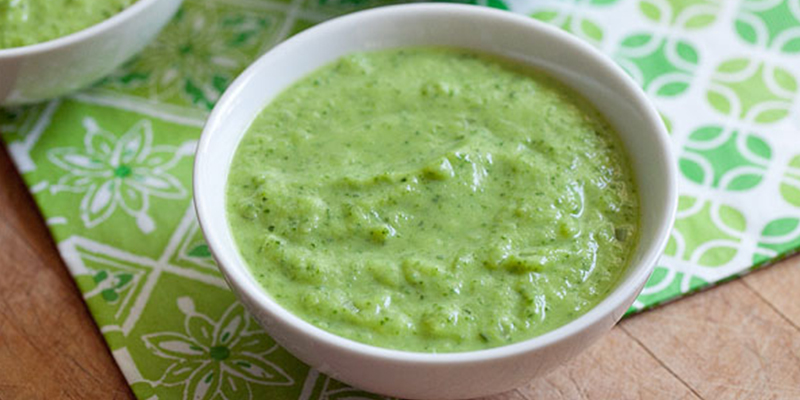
(97, 29)
(241, 281)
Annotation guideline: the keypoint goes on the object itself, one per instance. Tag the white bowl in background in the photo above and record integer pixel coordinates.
(54, 68)
(451, 375)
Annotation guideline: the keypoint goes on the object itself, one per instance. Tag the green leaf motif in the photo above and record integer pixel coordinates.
(667, 122)
(122, 280)
(791, 193)
(790, 183)
(752, 91)
(718, 256)
(692, 170)
(133, 77)
(100, 276)
(779, 237)
(734, 66)
(545, 16)
(687, 14)
(744, 182)
(200, 250)
(499, 4)
(719, 102)
(780, 227)
(700, 21)
(658, 277)
(650, 10)
(746, 32)
(576, 24)
(635, 41)
(715, 157)
(709, 233)
(687, 53)
(686, 203)
(733, 218)
(672, 89)
(758, 147)
(705, 134)
(666, 70)
(773, 25)
(110, 285)
(592, 30)
(109, 295)
(672, 246)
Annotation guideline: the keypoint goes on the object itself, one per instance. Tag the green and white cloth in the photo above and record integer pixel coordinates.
(110, 168)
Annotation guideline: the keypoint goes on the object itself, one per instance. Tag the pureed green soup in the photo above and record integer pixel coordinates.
(27, 22)
(433, 200)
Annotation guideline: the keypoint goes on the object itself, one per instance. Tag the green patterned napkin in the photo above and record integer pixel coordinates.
(111, 170)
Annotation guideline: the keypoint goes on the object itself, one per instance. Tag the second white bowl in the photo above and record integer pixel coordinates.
(46, 70)
(454, 375)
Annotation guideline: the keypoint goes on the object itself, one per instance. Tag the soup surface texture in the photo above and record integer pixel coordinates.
(433, 200)
(27, 22)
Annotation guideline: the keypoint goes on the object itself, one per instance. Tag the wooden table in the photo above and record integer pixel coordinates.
(739, 340)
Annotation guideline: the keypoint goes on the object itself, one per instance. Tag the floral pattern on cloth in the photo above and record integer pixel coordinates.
(118, 172)
(110, 168)
(217, 358)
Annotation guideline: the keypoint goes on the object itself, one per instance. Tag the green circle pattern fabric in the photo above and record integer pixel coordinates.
(110, 168)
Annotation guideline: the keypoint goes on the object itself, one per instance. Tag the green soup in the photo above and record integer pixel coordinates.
(27, 22)
(433, 200)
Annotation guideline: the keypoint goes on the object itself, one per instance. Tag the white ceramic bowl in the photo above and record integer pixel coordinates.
(50, 69)
(421, 375)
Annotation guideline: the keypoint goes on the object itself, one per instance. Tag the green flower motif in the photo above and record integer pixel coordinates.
(663, 66)
(790, 184)
(752, 90)
(770, 24)
(717, 157)
(706, 233)
(197, 55)
(778, 238)
(574, 19)
(216, 359)
(118, 172)
(686, 14)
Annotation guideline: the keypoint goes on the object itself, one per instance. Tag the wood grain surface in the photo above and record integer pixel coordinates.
(740, 340)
